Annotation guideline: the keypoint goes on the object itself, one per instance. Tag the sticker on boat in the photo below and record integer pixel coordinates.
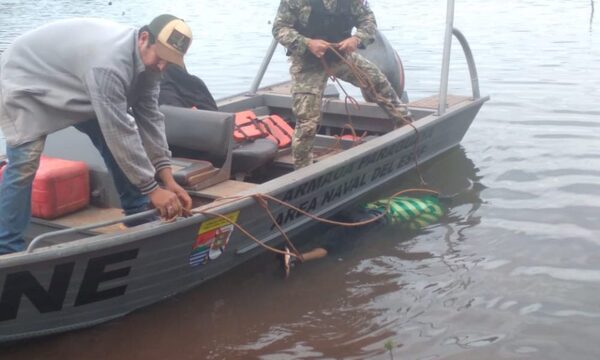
(212, 239)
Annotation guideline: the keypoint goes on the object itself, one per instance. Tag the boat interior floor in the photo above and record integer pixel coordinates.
(93, 214)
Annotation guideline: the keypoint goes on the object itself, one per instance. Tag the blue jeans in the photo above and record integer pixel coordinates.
(17, 180)
(15, 193)
(132, 200)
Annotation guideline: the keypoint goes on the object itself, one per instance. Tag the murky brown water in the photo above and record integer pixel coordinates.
(511, 272)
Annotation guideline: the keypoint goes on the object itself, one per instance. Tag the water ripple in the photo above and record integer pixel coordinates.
(584, 275)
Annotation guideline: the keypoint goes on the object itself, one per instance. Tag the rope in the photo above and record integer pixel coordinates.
(265, 205)
(367, 85)
(262, 201)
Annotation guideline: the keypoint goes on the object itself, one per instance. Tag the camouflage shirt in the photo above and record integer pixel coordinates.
(298, 11)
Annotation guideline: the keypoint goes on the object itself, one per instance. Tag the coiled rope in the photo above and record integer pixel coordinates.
(366, 84)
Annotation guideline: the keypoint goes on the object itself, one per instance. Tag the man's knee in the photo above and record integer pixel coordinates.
(23, 163)
(24, 178)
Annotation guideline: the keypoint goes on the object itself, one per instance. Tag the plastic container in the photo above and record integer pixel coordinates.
(60, 187)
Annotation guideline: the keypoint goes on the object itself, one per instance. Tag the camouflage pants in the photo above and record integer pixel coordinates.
(309, 81)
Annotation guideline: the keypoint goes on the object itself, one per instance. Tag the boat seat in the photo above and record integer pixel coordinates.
(207, 135)
(251, 155)
(200, 135)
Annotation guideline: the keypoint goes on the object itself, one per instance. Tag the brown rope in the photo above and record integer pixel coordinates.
(367, 85)
(265, 205)
(349, 224)
(261, 200)
(245, 232)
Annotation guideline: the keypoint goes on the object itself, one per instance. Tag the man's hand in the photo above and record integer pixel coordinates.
(184, 198)
(167, 203)
(349, 45)
(182, 202)
(317, 47)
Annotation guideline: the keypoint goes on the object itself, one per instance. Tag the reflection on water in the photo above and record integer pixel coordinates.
(511, 271)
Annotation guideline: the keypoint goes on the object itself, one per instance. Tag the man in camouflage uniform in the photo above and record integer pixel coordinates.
(306, 28)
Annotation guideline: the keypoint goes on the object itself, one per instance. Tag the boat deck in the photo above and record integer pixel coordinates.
(224, 189)
(432, 102)
(90, 215)
(94, 214)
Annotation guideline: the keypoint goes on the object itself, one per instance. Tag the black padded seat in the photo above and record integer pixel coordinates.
(250, 155)
(200, 135)
(206, 135)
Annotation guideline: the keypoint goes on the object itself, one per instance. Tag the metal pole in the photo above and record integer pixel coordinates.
(263, 67)
(446, 58)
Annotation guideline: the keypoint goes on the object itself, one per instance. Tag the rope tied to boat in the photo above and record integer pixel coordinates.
(263, 201)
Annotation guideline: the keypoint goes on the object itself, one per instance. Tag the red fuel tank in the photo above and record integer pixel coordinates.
(60, 187)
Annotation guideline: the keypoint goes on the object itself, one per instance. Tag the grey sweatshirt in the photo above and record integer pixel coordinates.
(75, 70)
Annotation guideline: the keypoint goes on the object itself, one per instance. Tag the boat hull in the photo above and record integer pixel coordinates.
(92, 280)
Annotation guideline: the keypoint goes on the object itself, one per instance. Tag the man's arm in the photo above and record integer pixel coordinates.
(151, 122)
(151, 126)
(107, 94)
(365, 23)
(108, 98)
(283, 28)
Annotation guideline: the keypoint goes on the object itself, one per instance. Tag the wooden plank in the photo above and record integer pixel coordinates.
(432, 102)
(224, 189)
(92, 215)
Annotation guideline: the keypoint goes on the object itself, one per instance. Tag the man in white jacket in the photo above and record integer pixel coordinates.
(89, 73)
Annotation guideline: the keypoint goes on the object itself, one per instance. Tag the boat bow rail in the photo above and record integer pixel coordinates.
(43, 237)
(470, 62)
(442, 102)
(450, 30)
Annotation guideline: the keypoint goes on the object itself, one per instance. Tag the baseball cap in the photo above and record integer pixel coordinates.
(173, 38)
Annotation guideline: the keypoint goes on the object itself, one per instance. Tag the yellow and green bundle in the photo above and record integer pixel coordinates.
(415, 213)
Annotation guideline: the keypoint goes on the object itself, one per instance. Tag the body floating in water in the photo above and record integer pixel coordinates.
(408, 212)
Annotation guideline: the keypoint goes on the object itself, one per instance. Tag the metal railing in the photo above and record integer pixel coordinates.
(40, 238)
(263, 67)
(450, 30)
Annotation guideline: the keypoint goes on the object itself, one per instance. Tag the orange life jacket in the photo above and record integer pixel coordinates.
(279, 130)
(354, 138)
(247, 127)
(273, 127)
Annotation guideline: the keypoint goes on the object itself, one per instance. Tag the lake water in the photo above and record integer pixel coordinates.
(511, 272)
